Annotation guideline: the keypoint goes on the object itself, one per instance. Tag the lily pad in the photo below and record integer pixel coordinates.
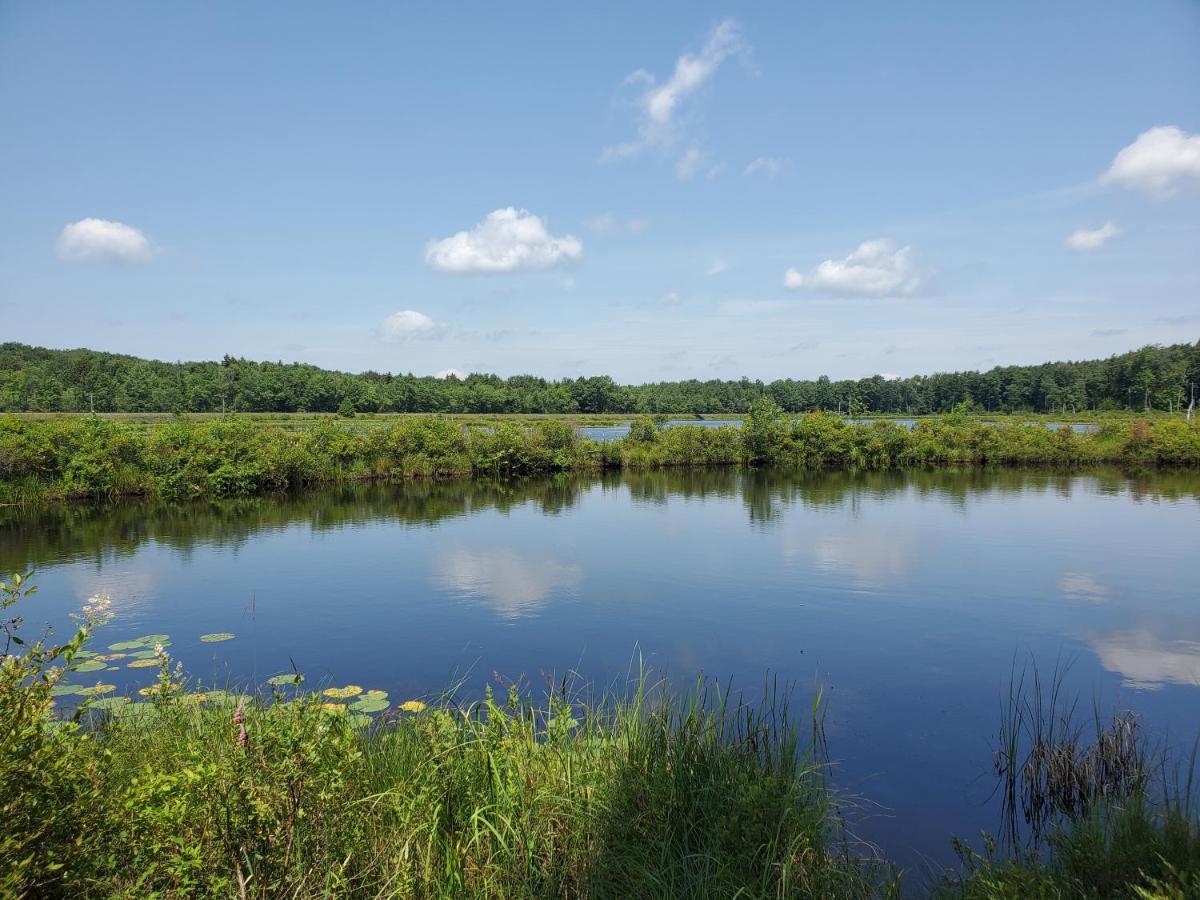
(97, 689)
(333, 707)
(142, 664)
(198, 697)
(110, 702)
(358, 720)
(89, 665)
(289, 678)
(63, 690)
(84, 654)
(144, 654)
(113, 669)
(109, 657)
(412, 706)
(127, 645)
(350, 690)
(217, 636)
(375, 695)
(369, 705)
(152, 639)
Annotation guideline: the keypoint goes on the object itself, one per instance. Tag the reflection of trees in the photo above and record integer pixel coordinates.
(30, 538)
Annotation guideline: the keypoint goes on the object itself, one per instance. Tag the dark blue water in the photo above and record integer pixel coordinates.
(907, 594)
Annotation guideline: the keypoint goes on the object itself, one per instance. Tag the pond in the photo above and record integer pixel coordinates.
(907, 594)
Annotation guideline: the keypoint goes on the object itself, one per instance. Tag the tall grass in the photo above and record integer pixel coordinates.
(641, 792)
(1091, 806)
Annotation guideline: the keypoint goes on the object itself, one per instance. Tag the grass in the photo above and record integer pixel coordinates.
(641, 792)
(64, 458)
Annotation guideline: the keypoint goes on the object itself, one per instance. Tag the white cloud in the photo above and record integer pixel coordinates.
(659, 105)
(447, 373)
(764, 165)
(689, 164)
(407, 324)
(876, 269)
(717, 266)
(671, 298)
(507, 240)
(607, 223)
(91, 240)
(1092, 239)
(1157, 161)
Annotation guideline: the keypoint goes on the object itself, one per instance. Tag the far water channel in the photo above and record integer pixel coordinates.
(616, 432)
(908, 595)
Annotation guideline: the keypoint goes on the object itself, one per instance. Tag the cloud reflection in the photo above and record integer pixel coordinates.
(1147, 663)
(870, 558)
(1078, 586)
(513, 585)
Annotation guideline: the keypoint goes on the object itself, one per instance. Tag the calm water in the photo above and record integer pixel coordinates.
(616, 432)
(908, 594)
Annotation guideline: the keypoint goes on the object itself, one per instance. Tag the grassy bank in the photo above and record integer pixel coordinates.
(641, 793)
(75, 458)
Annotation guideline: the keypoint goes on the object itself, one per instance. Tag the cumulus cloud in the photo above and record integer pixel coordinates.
(406, 325)
(764, 165)
(717, 266)
(1158, 162)
(94, 240)
(671, 298)
(658, 105)
(876, 269)
(507, 240)
(449, 373)
(1092, 239)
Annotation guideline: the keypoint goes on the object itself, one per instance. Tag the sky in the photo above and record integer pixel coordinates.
(688, 190)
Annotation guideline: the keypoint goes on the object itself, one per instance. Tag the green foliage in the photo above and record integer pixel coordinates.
(42, 380)
(234, 457)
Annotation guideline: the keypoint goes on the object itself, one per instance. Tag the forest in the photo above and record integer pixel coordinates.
(37, 379)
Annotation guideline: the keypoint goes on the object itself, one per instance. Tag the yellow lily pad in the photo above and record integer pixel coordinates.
(412, 706)
(350, 690)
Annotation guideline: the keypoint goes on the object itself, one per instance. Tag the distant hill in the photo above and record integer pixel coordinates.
(43, 380)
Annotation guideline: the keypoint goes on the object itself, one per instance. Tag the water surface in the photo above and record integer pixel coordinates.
(908, 594)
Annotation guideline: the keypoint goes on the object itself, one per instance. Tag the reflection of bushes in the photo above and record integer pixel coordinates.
(30, 535)
(236, 457)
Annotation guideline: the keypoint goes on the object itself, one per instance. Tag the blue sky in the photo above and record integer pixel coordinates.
(692, 190)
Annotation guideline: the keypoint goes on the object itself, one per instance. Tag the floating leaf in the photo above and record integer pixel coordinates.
(350, 690)
(109, 657)
(375, 695)
(84, 654)
(333, 707)
(113, 669)
(90, 665)
(198, 697)
(127, 645)
(97, 689)
(217, 636)
(142, 663)
(357, 720)
(110, 702)
(63, 690)
(290, 678)
(412, 706)
(370, 705)
(144, 654)
(152, 639)
(155, 689)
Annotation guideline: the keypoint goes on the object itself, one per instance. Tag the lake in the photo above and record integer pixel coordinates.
(908, 594)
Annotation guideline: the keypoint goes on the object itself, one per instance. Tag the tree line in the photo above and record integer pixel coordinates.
(37, 379)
